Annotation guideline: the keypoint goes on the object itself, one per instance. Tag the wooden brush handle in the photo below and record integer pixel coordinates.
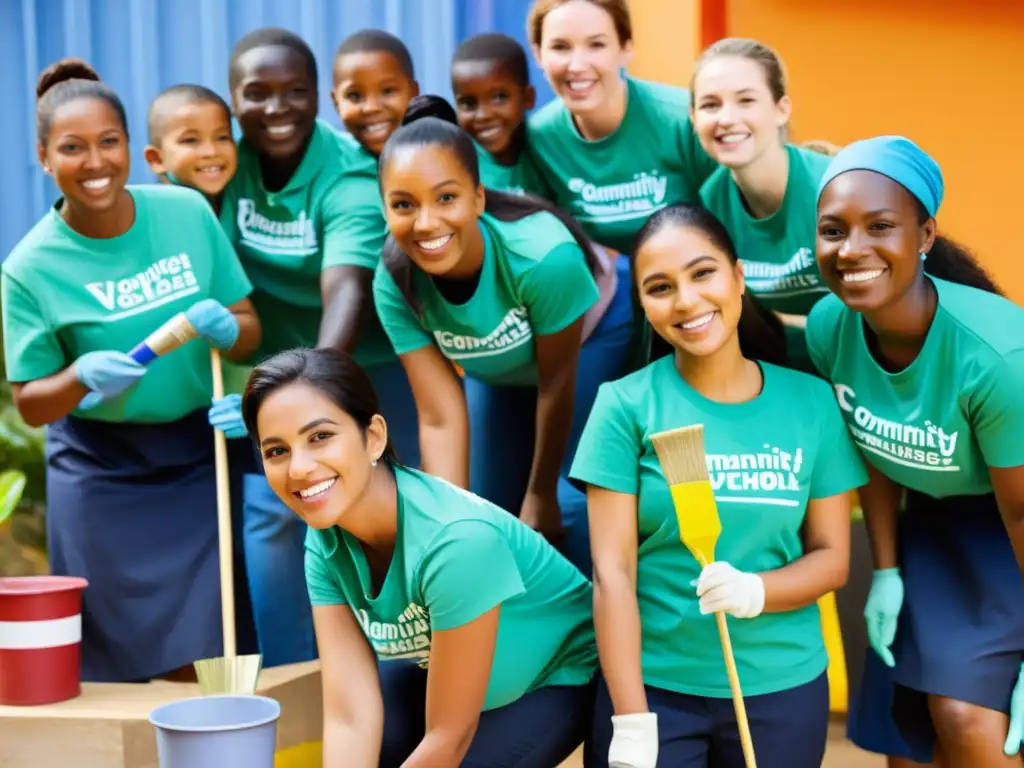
(737, 692)
(227, 574)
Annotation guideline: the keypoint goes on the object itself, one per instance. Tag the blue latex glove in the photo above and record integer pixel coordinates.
(1016, 731)
(882, 610)
(106, 374)
(214, 323)
(226, 415)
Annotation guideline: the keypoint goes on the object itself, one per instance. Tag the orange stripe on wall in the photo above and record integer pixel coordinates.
(714, 23)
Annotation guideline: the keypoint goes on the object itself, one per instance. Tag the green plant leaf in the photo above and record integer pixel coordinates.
(12, 486)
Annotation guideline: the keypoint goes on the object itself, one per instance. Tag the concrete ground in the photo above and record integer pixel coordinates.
(839, 754)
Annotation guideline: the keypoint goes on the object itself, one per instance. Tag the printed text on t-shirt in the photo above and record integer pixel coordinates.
(636, 198)
(513, 330)
(408, 638)
(163, 281)
(764, 477)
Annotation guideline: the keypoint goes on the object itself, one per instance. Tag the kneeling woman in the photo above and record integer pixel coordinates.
(781, 464)
(394, 559)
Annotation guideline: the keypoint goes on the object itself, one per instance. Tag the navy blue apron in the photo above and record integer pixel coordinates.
(961, 630)
(133, 509)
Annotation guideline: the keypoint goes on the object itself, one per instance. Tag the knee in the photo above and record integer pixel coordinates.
(956, 718)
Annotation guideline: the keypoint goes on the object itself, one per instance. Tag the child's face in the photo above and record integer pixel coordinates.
(197, 148)
(491, 105)
(371, 92)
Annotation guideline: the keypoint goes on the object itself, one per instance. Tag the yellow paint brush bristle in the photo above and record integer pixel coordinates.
(681, 455)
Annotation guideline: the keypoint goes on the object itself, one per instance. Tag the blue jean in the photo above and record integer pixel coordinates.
(788, 728)
(273, 536)
(539, 730)
(502, 421)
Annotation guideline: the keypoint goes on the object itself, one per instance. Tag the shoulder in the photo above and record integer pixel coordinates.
(825, 317)
(670, 100)
(45, 235)
(167, 196)
(799, 387)
(715, 191)
(810, 164)
(987, 321)
(534, 236)
(427, 498)
(633, 391)
(548, 119)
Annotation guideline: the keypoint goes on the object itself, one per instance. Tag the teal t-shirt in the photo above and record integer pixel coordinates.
(518, 179)
(329, 214)
(613, 185)
(937, 425)
(65, 294)
(766, 458)
(534, 282)
(458, 556)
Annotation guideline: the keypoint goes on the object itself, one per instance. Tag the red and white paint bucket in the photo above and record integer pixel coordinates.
(40, 639)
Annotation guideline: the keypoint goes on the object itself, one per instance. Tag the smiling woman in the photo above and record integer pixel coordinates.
(424, 663)
(304, 214)
(782, 467)
(130, 476)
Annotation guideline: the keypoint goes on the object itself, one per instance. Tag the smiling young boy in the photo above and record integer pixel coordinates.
(190, 140)
(491, 83)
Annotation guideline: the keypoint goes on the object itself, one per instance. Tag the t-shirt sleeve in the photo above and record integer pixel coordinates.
(323, 590)
(838, 465)
(450, 574)
(997, 412)
(817, 331)
(230, 284)
(404, 330)
(609, 451)
(354, 226)
(558, 289)
(31, 349)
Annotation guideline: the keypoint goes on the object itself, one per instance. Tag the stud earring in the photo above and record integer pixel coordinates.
(923, 255)
(373, 463)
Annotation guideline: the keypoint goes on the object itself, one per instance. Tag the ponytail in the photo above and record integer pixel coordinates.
(431, 121)
(762, 335)
(948, 260)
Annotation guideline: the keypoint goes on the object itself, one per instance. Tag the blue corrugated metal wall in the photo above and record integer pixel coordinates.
(143, 46)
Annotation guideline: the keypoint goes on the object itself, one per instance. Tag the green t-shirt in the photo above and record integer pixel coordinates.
(457, 557)
(764, 466)
(518, 179)
(613, 185)
(329, 214)
(777, 251)
(534, 282)
(65, 295)
(937, 425)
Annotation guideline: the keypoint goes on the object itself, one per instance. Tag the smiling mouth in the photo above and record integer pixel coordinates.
(281, 131)
(211, 170)
(580, 86)
(860, 275)
(697, 323)
(377, 130)
(489, 132)
(432, 246)
(98, 186)
(732, 138)
(316, 492)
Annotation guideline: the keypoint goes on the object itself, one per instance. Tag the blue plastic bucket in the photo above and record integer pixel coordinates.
(217, 732)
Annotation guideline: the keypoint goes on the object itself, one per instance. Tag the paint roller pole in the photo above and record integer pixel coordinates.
(227, 575)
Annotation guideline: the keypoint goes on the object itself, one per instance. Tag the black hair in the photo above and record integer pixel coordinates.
(378, 41)
(187, 93)
(431, 121)
(266, 37)
(335, 374)
(498, 48)
(950, 261)
(761, 334)
(63, 82)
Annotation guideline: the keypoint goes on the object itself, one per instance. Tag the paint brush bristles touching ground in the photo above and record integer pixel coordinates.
(682, 458)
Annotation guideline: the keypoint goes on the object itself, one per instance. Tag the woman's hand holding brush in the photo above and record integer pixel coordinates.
(721, 587)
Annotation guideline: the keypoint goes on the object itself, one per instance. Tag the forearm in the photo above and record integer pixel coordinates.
(249, 336)
(617, 626)
(553, 423)
(442, 748)
(880, 521)
(50, 399)
(345, 309)
(351, 744)
(805, 580)
(444, 450)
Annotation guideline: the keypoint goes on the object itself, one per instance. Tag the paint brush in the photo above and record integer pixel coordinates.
(682, 458)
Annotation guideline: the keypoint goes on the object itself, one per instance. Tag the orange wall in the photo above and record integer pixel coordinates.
(946, 73)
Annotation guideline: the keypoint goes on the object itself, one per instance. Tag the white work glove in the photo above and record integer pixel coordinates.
(634, 741)
(721, 587)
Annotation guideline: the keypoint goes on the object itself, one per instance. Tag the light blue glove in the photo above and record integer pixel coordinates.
(1016, 731)
(106, 374)
(214, 323)
(882, 610)
(226, 415)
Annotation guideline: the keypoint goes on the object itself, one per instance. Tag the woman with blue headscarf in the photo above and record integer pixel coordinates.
(927, 362)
